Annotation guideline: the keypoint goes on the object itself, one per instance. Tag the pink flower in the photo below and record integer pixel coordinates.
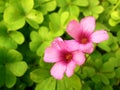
(64, 56)
(83, 34)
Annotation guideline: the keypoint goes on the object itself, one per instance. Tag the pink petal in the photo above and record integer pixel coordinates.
(71, 45)
(87, 48)
(59, 44)
(55, 43)
(58, 70)
(70, 68)
(73, 29)
(79, 57)
(99, 36)
(62, 45)
(52, 55)
(87, 24)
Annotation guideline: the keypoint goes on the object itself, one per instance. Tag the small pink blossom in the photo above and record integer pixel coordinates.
(83, 34)
(65, 56)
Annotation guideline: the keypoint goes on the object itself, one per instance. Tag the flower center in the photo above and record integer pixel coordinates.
(68, 57)
(84, 40)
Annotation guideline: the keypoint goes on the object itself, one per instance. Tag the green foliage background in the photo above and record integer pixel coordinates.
(27, 27)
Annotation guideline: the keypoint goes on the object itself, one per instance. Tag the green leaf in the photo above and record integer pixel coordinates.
(82, 3)
(112, 1)
(104, 46)
(93, 9)
(3, 52)
(32, 23)
(115, 15)
(2, 5)
(98, 9)
(104, 79)
(64, 18)
(13, 56)
(45, 6)
(44, 64)
(51, 5)
(60, 32)
(36, 16)
(43, 33)
(47, 84)
(3, 28)
(118, 36)
(36, 41)
(13, 18)
(38, 75)
(34, 36)
(89, 70)
(107, 56)
(11, 66)
(10, 79)
(42, 48)
(98, 86)
(87, 12)
(55, 23)
(27, 6)
(96, 78)
(17, 68)
(98, 63)
(110, 75)
(96, 54)
(107, 67)
(73, 82)
(111, 39)
(100, 26)
(2, 75)
(117, 54)
(7, 42)
(74, 10)
(61, 3)
(61, 85)
(113, 22)
(34, 45)
(107, 87)
(17, 37)
(117, 71)
(85, 87)
(114, 46)
(94, 2)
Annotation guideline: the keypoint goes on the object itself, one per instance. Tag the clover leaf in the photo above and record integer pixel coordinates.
(10, 39)
(17, 13)
(93, 9)
(40, 40)
(71, 6)
(45, 82)
(17, 37)
(27, 6)
(14, 18)
(34, 18)
(38, 75)
(45, 6)
(115, 18)
(43, 78)
(58, 23)
(11, 65)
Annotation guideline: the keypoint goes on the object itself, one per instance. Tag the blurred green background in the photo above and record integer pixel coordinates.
(27, 27)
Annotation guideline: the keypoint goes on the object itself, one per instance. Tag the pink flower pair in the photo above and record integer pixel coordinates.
(69, 53)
